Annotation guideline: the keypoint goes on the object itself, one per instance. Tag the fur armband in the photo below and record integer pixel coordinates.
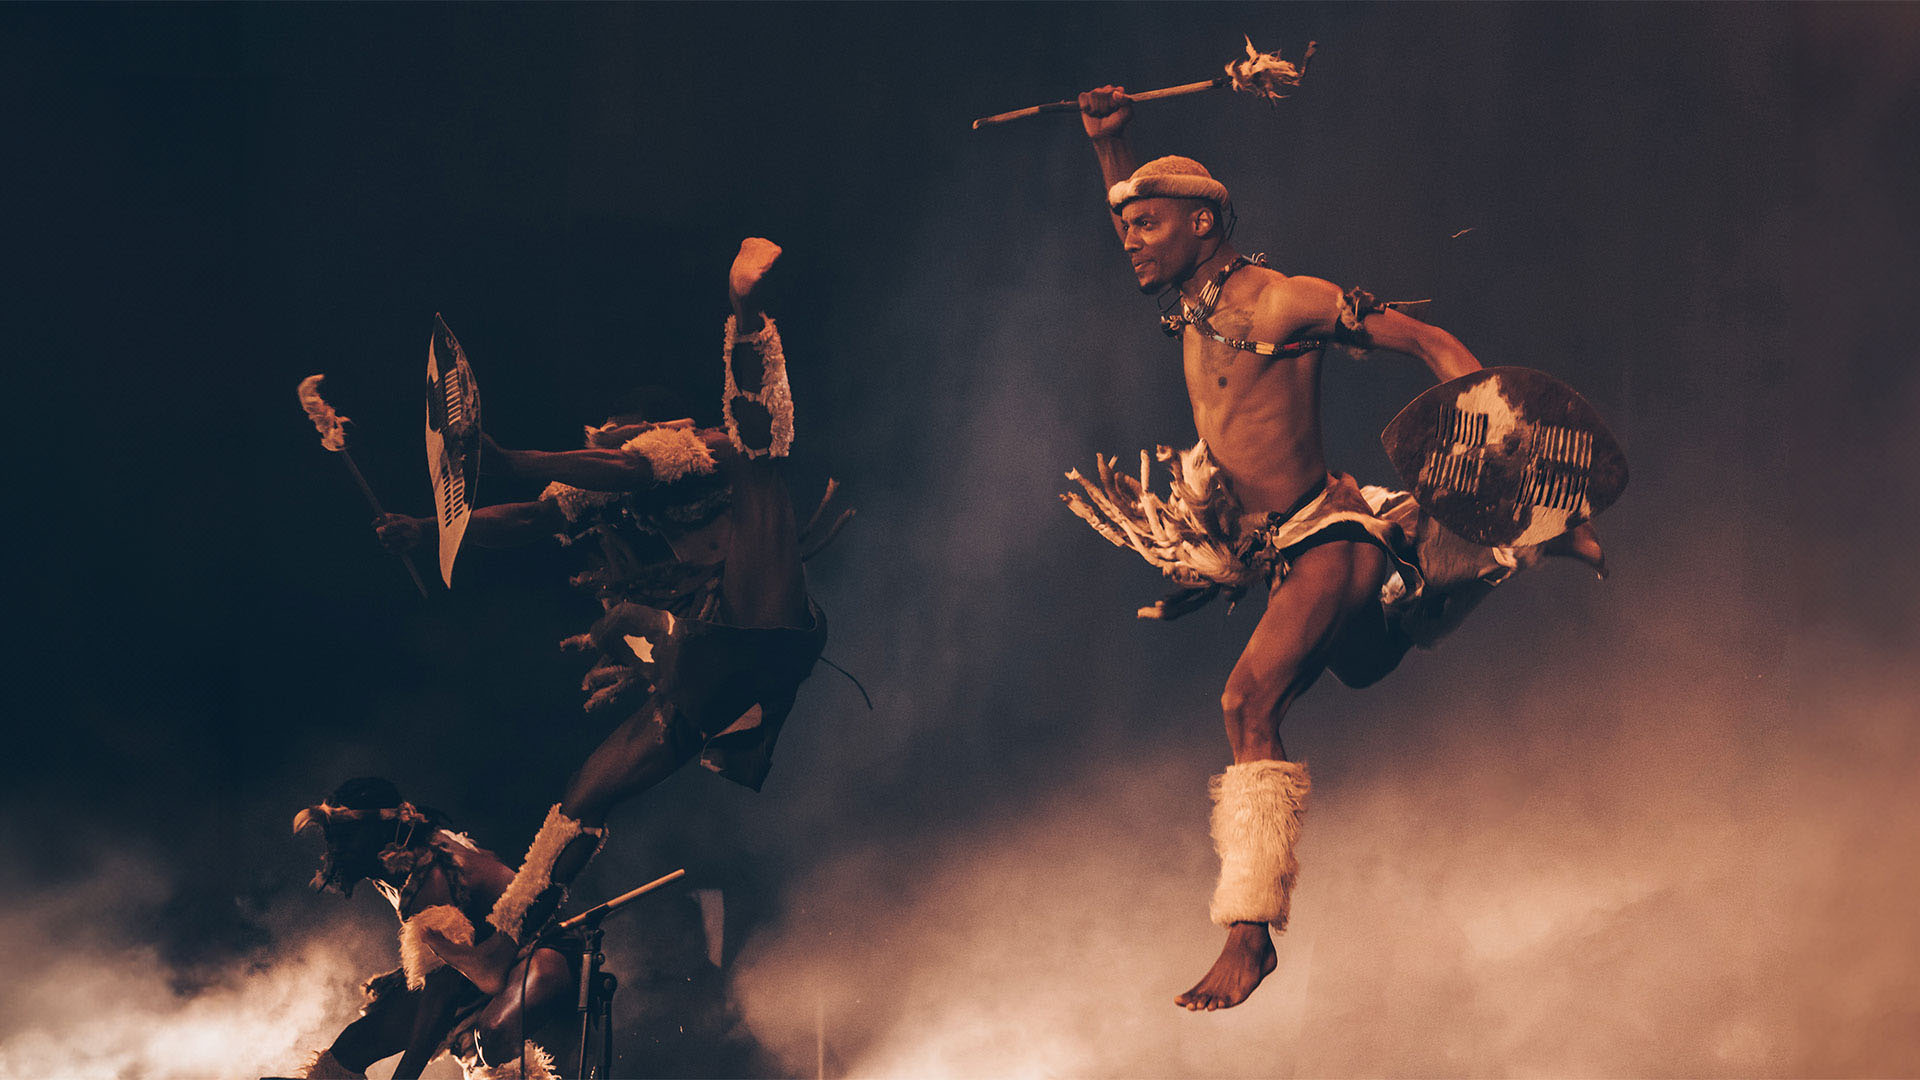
(574, 502)
(1355, 305)
(417, 958)
(672, 452)
(774, 394)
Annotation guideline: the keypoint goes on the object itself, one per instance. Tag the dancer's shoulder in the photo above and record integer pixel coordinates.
(1287, 304)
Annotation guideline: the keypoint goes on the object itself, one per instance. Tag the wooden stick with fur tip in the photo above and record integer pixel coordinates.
(333, 437)
(1260, 73)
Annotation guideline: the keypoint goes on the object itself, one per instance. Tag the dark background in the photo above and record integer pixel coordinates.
(1699, 215)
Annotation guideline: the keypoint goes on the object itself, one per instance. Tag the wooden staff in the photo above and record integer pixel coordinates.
(1265, 74)
(1073, 104)
(333, 437)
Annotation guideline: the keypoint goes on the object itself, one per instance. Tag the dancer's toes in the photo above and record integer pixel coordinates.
(1582, 543)
(1247, 958)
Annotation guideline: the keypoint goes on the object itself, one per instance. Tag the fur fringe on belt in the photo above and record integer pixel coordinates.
(1256, 823)
(1190, 535)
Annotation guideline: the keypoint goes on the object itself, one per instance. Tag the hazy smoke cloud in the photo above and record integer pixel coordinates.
(1634, 876)
(1661, 826)
(87, 996)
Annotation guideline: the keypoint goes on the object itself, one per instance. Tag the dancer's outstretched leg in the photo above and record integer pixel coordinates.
(1259, 799)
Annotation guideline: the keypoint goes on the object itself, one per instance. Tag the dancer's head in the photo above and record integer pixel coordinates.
(1175, 216)
(370, 831)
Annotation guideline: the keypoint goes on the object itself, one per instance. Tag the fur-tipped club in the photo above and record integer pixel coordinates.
(1260, 73)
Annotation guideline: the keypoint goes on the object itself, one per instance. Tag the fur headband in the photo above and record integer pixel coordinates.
(1168, 178)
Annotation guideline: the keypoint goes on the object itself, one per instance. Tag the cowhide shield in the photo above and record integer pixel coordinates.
(1506, 456)
(453, 440)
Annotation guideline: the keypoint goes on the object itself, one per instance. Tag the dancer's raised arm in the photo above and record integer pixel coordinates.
(757, 401)
(1104, 114)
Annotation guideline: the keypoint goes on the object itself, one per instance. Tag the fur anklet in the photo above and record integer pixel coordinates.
(539, 1065)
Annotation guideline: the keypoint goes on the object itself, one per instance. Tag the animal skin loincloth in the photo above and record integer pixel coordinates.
(1198, 537)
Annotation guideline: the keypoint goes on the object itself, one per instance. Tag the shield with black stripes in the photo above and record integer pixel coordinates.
(453, 440)
(1506, 456)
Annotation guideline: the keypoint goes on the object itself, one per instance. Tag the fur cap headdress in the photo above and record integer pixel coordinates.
(1169, 177)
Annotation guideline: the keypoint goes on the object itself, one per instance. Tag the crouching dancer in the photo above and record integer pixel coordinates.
(707, 630)
(1354, 577)
(440, 1000)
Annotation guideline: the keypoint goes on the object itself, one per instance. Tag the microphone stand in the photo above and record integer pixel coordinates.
(597, 986)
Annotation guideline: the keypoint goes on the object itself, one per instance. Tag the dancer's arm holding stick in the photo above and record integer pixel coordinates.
(1104, 114)
(333, 436)
(1262, 74)
(1071, 104)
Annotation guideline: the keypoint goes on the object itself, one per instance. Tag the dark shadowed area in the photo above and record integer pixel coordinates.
(1661, 825)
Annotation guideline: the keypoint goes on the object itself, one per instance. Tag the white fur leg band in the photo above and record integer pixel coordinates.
(536, 871)
(1256, 823)
(774, 394)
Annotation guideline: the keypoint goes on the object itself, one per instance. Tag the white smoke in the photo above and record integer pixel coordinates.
(87, 1001)
(1639, 874)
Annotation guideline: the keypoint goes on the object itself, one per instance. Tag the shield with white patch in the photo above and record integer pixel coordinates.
(453, 440)
(1506, 456)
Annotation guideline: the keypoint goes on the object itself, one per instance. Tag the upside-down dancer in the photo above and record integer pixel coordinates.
(708, 629)
(1355, 577)
(442, 886)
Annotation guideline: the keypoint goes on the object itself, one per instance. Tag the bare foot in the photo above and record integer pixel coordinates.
(1247, 958)
(1579, 542)
(756, 257)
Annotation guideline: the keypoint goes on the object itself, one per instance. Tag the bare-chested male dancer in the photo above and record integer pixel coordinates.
(714, 634)
(1252, 339)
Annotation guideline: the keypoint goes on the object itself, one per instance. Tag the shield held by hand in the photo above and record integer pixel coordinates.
(1506, 456)
(453, 440)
